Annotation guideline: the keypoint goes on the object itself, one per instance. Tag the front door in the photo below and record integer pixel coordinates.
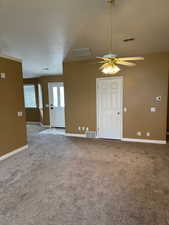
(109, 107)
(56, 104)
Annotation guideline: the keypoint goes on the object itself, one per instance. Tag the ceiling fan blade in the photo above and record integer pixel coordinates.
(131, 58)
(101, 62)
(124, 63)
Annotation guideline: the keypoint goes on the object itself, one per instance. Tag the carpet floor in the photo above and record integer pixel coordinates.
(63, 180)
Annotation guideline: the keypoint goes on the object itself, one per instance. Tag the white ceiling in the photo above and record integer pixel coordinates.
(43, 32)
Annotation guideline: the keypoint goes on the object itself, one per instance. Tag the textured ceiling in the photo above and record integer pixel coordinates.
(43, 32)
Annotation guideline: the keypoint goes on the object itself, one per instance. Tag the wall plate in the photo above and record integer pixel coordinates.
(3, 75)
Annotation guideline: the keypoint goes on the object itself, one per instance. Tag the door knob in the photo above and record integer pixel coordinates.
(51, 106)
(118, 113)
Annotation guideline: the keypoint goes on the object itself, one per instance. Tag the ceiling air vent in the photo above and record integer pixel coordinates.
(82, 52)
(129, 39)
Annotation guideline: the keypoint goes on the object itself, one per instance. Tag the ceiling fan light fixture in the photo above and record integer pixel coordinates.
(111, 69)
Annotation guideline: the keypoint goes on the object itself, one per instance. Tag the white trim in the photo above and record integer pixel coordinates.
(97, 109)
(42, 125)
(11, 58)
(32, 123)
(144, 140)
(75, 135)
(13, 152)
(37, 123)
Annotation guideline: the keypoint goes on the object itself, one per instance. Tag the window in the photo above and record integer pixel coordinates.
(40, 96)
(29, 96)
(62, 100)
(55, 97)
(58, 97)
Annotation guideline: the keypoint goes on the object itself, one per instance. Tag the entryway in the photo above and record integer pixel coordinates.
(56, 104)
(109, 107)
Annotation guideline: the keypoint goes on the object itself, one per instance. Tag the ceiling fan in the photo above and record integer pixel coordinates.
(110, 61)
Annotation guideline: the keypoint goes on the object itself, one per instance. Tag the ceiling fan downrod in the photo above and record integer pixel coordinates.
(110, 1)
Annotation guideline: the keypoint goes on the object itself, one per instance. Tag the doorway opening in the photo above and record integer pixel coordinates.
(56, 105)
(109, 92)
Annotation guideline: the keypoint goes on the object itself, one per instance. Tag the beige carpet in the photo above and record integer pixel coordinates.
(71, 181)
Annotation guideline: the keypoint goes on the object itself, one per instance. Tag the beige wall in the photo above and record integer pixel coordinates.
(141, 85)
(32, 115)
(13, 132)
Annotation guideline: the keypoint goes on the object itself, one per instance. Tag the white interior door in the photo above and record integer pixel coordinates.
(56, 104)
(109, 107)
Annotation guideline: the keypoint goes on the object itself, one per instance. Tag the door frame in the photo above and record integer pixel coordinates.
(49, 83)
(97, 103)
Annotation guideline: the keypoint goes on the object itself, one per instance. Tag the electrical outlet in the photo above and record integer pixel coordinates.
(79, 128)
(153, 109)
(139, 133)
(148, 134)
(3, 75)
(20, 114)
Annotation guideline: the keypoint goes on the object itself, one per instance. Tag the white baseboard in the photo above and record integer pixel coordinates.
(13, 152)
(37, 123)
(123, 139)
(42, 125)
(32, 123)
(144, 140)
(75, 135)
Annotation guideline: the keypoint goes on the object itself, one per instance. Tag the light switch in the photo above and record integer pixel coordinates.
(148, 134)
(125, 109)
(139, 133)
(3, 75)
(20, 114)
(153, 109)
(158, 99)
